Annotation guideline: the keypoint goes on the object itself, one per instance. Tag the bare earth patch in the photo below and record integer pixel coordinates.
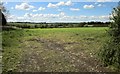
(46, 55)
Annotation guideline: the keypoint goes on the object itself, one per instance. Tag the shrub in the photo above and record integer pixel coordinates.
(110, 54)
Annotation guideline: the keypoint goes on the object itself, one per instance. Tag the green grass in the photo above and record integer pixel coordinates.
(11, 51)
(90, 37)
(20, 44)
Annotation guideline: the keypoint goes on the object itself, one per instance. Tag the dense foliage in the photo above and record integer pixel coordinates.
(111, 52)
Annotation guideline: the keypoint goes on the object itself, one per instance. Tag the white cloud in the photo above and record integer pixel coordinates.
(74, 9)
(11, 16)
(104, 17)
(99, 5)
(6, 2)
(30, 17)
(88, 6)
(12, 7)
(104, 0)
(24, 6)
(41, 8)
(96, 3)
(62, 13)
(83, 16)
(35, 10)
(62, 3)
(68, 3)
(59, 10)
(51, 5)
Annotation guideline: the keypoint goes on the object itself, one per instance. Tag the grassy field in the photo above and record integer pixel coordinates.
(54, 50)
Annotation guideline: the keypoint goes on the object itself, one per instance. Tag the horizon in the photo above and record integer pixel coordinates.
(63, 22)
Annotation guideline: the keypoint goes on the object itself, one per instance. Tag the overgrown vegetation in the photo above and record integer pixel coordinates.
(53, 50)
(111, 51)
(11, 52)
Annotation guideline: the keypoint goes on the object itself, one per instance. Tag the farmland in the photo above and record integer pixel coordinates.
(54, 50)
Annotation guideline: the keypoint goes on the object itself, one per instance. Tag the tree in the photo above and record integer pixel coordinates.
(2, 7)
(110, 54)
(115, 25)
(3, 19)
(3, 10)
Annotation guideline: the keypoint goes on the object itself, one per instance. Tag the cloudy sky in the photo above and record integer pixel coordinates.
(59, 11)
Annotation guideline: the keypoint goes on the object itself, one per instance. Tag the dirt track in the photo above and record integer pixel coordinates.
(40, 57)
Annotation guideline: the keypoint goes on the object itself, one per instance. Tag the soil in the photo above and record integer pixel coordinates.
(33, 61)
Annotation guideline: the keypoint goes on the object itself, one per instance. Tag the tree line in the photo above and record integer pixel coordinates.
(57, 25)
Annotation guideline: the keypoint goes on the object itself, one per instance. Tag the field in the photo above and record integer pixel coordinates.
(54, 50)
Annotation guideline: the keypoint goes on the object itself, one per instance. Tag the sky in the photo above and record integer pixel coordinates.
(59, 11)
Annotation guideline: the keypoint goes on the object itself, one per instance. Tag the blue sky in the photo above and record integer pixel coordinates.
(61, 11)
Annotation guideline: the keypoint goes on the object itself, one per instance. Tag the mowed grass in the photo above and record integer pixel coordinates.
(51, 50)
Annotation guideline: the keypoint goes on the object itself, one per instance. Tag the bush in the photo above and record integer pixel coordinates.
(110, 54)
